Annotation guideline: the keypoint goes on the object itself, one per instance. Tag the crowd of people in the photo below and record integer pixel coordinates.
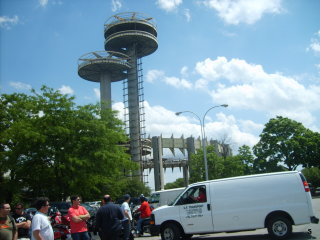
(113, 222)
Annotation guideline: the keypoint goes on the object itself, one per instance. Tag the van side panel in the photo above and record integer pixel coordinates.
(244, 203)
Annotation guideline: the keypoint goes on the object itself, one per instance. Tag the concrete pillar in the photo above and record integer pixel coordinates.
(105, 90)
(158, 164)
(133, 106)
(190, 150)
(186, 175)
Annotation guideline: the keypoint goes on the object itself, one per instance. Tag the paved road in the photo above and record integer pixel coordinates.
(299, 232)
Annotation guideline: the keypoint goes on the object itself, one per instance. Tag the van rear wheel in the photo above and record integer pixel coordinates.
(279, 227)
(170, 232)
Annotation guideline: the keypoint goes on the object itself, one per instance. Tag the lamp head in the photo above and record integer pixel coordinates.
(224, 105)
(178, 113)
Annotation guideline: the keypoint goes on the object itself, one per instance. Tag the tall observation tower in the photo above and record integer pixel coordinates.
(128, 37)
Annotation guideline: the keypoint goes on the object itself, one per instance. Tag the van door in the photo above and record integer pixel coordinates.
(195, 210)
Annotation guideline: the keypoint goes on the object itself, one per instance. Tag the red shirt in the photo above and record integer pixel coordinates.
(202, 197)
(145, 210)
(77, 226)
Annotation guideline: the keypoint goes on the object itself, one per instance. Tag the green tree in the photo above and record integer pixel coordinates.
(176, 184)
(312, 175)
(49, 146)
(218, 166)
(285, 142)
(246, 157)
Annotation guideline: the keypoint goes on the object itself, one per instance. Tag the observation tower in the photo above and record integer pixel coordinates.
(134, 35)
(128, 37)
(104, 67)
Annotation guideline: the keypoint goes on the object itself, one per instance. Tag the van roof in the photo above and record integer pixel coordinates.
(245, 176)
(169, 190)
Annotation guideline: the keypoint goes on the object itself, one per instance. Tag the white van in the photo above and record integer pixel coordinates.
(275, 201)
(164, 197)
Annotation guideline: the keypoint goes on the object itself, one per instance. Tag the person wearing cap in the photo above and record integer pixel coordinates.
(126, 222)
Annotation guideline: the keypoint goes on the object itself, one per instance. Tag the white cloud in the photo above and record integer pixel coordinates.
(7, 22)
(169, 5)
(248, 86)
(184, 71)
(66, 90)
(315, 47)
(315, 44)
(187, 14)
(178, 82)
(43, 3)
(153, 75)
(243, 11)
(97, 92)
(250, 126)
(161, 121)
(20, 86)
(116, 5)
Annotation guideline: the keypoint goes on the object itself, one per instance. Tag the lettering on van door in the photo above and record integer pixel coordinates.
(193, 211)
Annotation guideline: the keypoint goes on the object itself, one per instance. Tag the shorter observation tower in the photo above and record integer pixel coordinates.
(104, 67)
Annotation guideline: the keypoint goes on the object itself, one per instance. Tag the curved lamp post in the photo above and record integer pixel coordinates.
(203, 135)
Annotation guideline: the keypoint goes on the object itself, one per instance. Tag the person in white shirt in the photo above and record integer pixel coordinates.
(41, 227)
(126, 222)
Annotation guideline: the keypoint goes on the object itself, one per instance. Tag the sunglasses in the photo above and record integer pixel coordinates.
(18, 208)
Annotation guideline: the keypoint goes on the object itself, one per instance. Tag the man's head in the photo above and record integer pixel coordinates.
(19, 209)
(4, 209)
(126, 197)
(42, 204)
(75, 200)
(106, 199)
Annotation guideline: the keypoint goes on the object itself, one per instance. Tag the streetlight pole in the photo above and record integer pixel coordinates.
(203, 135)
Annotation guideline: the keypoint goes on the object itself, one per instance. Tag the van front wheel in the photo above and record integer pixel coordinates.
(279, 227)
(170, 232)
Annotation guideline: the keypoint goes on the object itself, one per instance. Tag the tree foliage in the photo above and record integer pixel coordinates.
(218, 166)
(176, 184)
(49, 146)
(312, 175)
(285, 142)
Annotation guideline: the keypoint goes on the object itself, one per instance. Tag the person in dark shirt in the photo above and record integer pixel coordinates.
(109, 220)
(23, 222)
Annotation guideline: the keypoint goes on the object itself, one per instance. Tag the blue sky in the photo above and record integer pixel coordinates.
(261, 57)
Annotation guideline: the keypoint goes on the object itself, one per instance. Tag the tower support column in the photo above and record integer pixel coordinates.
(134, 113)
(158, 164)
(105, 90)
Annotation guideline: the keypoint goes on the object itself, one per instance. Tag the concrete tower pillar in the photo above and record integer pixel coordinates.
(158, 164)
(133, 106)
(105, 90)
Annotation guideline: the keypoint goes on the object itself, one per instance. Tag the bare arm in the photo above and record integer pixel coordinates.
(126, 214)
(15, 236)
(26, 224)
(80, 218)
(36, 234)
